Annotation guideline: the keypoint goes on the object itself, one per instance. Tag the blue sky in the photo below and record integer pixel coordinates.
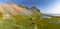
(46, 6)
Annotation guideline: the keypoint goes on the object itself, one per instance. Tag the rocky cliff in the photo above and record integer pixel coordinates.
(9, 8)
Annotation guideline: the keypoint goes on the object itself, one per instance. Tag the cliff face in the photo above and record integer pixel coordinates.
(14, 9)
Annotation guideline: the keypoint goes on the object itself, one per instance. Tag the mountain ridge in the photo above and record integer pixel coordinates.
(14, 9)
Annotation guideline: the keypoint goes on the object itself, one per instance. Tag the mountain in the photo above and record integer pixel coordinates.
(10, 8)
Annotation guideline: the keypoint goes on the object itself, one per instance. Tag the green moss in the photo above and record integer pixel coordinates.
(48, 23)
(29, 22)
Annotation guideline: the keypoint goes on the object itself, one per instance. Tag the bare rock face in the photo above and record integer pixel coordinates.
(35, 10)
(13, 9)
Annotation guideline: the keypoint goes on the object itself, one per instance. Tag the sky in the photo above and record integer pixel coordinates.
(45, 6)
